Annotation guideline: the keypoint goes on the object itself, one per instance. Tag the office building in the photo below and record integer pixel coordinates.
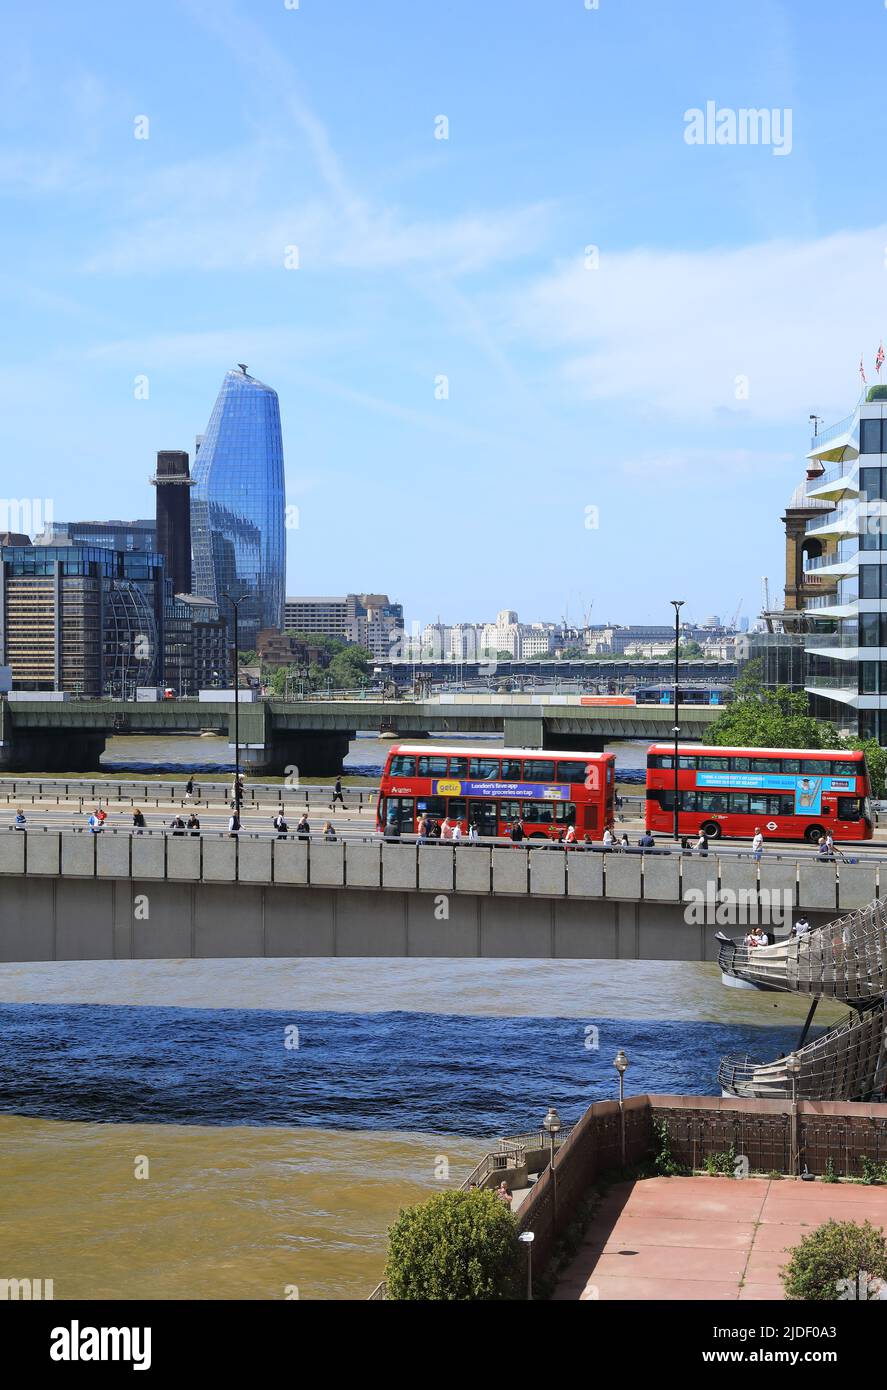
(369, 620)
(197, 655)
(112, 535)
(85, 619)
(237, 507)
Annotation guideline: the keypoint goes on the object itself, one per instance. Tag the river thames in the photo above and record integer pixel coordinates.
(241, 1128)
(272, 1166)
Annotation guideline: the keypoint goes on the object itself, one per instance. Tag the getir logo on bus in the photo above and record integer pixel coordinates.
(449, 788)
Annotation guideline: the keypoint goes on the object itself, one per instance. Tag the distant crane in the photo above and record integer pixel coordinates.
(735, 619)
(765, 586)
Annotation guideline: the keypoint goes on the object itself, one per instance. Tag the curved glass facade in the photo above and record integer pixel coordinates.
(237, 507)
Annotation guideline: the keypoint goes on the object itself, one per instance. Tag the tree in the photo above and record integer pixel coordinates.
(350, 668)
(876, 762)
(826, 1266)
(689, 651)
(772, 719)
(455, 1246)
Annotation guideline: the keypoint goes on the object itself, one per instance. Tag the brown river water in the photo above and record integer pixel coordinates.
(252, 1211)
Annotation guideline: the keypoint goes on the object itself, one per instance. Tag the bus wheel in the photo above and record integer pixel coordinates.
(711, 830)
(538, 835)
(813, 833)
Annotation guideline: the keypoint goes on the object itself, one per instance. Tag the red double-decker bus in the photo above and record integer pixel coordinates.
(792, 794)
(491, 788)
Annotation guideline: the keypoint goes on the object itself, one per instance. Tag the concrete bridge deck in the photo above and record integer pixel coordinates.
(70, 896)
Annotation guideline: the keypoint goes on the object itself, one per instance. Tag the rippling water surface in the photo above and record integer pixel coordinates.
(273, 1165)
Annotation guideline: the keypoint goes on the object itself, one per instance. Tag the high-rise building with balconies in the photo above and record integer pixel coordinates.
(847, 667)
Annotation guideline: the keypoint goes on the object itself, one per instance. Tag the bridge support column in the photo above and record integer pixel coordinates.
(525, 732)
(65, 750)
(582, 743)
(314, 754)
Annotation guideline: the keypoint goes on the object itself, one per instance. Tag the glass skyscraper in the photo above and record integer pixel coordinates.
(237, 507)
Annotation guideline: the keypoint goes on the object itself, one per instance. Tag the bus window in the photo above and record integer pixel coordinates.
(565, 812)
(849, 808)
(458, 767)
(573, 772)
(764, 765)
(739, 764)
(403, 765)
(846, 769)
(432, 805)
(715, 803)
(432, 767)
(484, 769)
(511, 769)
(509, 810)
(817, 766)
(538, 812)
(712, 764)
(539, 770)
(456, 807)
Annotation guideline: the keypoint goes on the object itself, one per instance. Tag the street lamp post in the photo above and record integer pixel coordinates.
(677, 604)
(528, 1237)
(793, 1067)
(235, 604)
(620, 1062)
(552, 1124)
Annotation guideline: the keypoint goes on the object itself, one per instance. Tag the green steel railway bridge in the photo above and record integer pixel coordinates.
(313, 734)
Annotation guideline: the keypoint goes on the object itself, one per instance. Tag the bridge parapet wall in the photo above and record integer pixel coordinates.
(512, 872)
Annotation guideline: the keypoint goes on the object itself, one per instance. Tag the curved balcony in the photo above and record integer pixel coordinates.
(844, 1063)
(834, 483)
(846, 959)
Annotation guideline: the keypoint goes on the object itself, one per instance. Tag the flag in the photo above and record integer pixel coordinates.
(861, 369)
(879, 360)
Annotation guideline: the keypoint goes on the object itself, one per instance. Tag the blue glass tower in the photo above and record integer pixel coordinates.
(237, 508)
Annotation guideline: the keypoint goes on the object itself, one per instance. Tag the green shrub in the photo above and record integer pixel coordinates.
(721, 1164)
(830, 1175)
(871, 1171)
(664, 1163)
(833, 1253)
(457, 1245)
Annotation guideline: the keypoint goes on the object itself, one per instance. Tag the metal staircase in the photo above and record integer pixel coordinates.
(845, 959)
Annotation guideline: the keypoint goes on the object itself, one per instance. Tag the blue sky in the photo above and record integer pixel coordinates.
(664, 379)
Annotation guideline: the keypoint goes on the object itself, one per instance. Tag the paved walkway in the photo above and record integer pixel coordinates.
(706, 1238)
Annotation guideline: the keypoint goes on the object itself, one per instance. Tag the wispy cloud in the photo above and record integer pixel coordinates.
(770, 331)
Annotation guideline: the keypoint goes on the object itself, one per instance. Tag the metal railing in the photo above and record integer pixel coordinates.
(831, 475)
(832, 432)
